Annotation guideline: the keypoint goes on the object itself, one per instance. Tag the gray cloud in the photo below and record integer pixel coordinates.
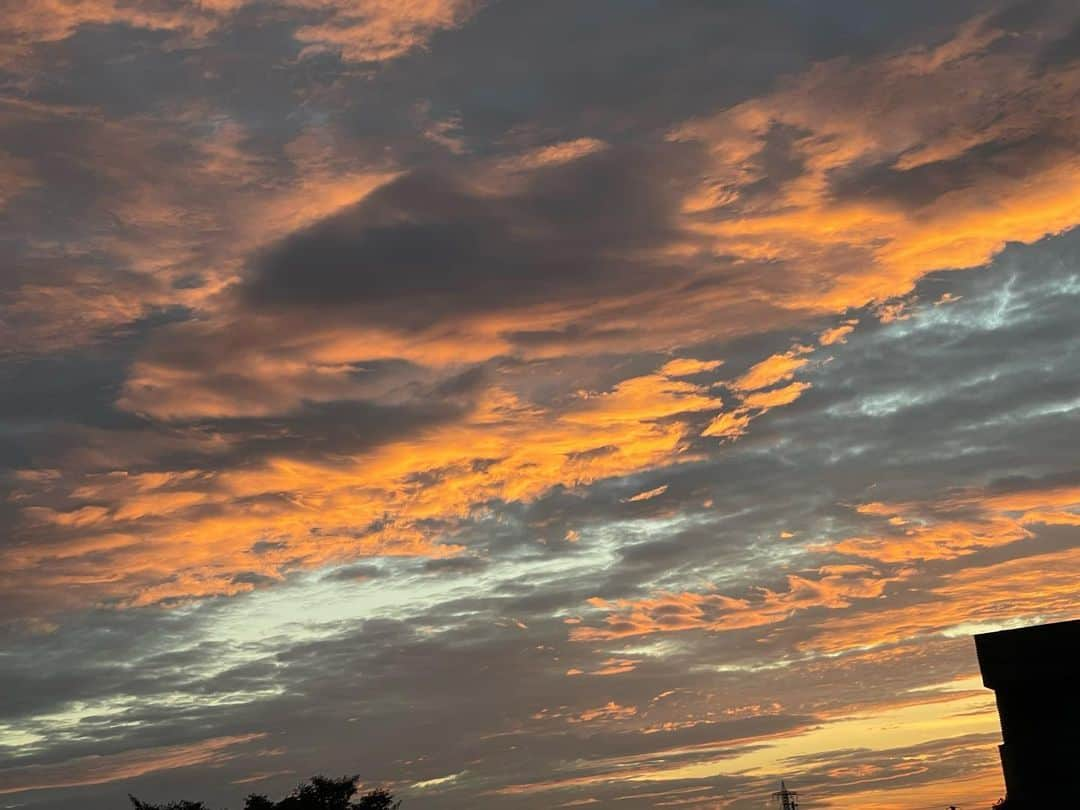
(426, 248)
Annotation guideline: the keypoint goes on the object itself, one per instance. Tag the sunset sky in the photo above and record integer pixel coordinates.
(531, 403)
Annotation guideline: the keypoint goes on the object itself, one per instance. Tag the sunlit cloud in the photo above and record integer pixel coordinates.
(97, 770)
(371, 31)
(830, 587)
(205, 525)
(894, 180)
(1039, 588)
(962, 524)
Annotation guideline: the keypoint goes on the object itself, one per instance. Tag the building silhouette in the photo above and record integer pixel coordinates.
(1033, 673)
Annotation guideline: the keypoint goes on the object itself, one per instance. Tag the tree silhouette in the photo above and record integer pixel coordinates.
(326, 793)
(181, 805)
(318, 793)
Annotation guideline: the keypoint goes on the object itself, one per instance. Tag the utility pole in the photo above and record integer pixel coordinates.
(786, 799)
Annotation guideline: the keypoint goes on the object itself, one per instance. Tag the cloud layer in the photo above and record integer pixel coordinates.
(531, 406)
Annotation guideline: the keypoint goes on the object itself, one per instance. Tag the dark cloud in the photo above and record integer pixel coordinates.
(614, 69)
(1021, 15)
(455, 565)
(928, 182)
(1062, 51)
(354, 573)
(325, 430)
(777, 162)
(426, 248)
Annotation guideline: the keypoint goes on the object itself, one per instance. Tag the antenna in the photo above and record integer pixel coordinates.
(786, 799)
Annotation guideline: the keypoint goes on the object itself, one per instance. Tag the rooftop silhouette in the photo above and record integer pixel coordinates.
(1034, 678)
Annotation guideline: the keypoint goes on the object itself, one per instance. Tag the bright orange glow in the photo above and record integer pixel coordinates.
(370, 504)
(832, 587)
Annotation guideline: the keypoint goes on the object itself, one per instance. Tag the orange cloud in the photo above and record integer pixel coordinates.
(815, 246)
(1039, 588)
(616, 666)
(902, 114)
(960, 524)
(834, 587)
(96, 770)
(29, 24)
(609, 712)
(729, 425)
(772, 370)
(190, 534)
(825, 241)
(176, 199)
(685, 367)
(551, 155)
(776, 397)
(953, 176)
(374, 31)
(944, 539)
(647, 495)
(837, 334)
(755, 402)
(983, 782)
(379, 30)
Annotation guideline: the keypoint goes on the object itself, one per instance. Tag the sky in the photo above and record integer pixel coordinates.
(618, 404)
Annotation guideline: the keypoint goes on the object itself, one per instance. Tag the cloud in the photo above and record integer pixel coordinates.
(434, 246)
(379, 30)
(159, 215)
(772, 370)
(353, 573)
(776, 397)
(443, 267)
(831, 587)
(432, 269)
(895, 180)
(1039, 587)
(374, 31)
(323, 510)
(553, 154)
(353, 348)
(686, 367)
(729, 425)
(837, 334)
(96, 770)
(647, 494)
